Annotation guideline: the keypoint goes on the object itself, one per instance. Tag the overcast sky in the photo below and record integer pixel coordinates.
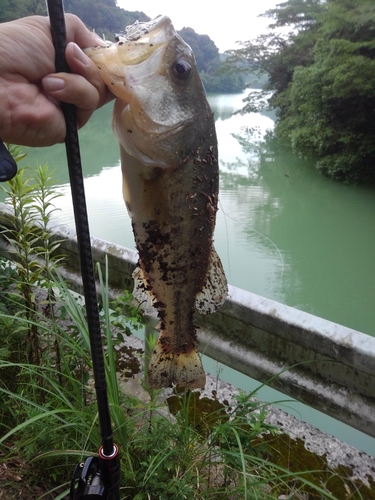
(223, 26)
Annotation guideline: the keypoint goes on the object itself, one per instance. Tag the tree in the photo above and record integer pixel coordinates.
(322, 78)
(300, 14)
(222, 82)
(331, 103)
(277, 53)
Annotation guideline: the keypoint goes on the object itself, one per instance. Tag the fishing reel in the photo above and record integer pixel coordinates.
(86, 482)
(98, 478)
(8, 167)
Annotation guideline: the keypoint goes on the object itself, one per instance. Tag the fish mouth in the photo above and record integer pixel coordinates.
(144, 38)
(140, 42)
(136, 43)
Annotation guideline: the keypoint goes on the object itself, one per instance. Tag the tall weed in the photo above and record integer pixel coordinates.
(30, 197)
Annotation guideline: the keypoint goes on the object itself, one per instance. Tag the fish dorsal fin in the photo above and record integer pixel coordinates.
(215, 289)
(140, 292)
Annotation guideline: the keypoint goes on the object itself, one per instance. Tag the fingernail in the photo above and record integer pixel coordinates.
(52, 84)
(81, 56)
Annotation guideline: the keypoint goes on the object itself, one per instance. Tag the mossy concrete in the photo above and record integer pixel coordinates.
(299, 447)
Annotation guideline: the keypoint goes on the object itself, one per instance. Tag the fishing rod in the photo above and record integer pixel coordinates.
(99, 476)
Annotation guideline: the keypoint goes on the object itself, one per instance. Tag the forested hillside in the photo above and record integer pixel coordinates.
(106, 18)
(9, 9)
(322, 81)
(101, 15)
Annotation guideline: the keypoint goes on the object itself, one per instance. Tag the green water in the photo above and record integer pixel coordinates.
(283, 231)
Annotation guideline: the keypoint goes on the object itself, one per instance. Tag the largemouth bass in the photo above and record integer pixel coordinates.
(169, 162)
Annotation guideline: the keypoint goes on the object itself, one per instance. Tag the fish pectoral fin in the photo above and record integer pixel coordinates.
(140, 292)
(215, 289)
(183, 370)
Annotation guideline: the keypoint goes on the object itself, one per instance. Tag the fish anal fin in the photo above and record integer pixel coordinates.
(142, 294)
(215, 288)
(183, 370)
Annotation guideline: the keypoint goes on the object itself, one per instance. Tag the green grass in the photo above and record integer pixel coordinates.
(196, 448)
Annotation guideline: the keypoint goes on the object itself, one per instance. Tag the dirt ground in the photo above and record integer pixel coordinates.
(14, 483)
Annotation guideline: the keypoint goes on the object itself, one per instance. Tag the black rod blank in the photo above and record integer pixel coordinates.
(107, 451)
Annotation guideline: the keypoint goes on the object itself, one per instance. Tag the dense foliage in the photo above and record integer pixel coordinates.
(322, 81)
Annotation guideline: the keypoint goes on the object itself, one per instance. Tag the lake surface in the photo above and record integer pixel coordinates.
(283, 231)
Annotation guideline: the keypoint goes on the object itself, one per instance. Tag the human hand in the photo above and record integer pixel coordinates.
(30, 90)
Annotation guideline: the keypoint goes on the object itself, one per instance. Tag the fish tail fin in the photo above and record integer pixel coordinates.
(183, 370)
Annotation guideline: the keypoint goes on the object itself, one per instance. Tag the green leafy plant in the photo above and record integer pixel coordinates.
(124, 315)
(25, 227)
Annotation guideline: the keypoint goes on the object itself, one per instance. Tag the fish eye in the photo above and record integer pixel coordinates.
(181, 69)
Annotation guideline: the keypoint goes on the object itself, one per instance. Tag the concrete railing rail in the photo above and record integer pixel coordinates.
(320, 363)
